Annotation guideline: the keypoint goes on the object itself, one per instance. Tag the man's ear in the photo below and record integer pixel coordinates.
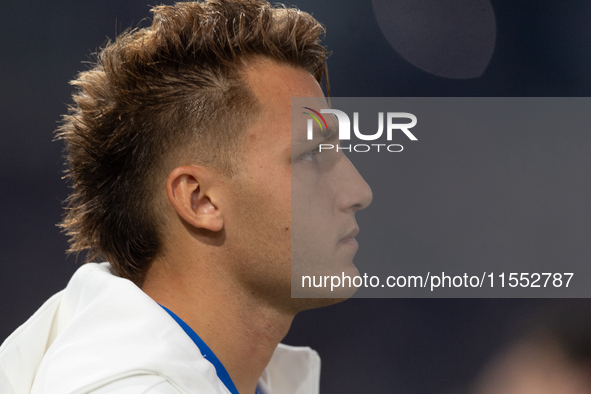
(189, 190)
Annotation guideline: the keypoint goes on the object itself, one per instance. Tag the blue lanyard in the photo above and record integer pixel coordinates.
(207, 354)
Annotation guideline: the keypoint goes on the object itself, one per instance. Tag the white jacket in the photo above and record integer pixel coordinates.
(102, 334)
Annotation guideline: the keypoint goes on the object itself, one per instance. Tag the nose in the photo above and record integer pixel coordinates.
(354, 193)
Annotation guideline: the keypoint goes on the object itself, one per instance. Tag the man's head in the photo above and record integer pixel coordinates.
(286, 197)
(171, 95)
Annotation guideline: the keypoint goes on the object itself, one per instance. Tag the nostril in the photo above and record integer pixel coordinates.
(357, 207)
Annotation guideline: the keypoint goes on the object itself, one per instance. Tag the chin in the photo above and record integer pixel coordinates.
(324, 287)
(303, 304)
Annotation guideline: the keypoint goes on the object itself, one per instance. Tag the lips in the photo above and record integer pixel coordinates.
(349, 239)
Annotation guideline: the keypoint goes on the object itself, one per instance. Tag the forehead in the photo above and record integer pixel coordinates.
(267, 142)
(274, 84)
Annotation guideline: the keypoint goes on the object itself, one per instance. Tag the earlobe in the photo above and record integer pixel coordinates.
(190, 192)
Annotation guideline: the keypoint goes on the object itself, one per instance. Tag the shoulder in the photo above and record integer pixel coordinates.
(139, 384)
(113, 338)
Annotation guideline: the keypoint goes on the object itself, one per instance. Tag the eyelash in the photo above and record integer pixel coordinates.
(311, 155)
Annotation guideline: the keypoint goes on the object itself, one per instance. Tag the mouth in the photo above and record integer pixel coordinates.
(349, 239)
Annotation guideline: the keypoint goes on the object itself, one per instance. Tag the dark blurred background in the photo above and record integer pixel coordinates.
(380, 48)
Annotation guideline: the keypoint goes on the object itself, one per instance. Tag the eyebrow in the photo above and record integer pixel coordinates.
(329, 134)
(325, 134)
(332, 130)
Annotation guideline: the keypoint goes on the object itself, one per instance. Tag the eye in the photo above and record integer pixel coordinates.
(310, 155)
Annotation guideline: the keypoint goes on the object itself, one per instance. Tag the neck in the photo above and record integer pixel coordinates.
(242, 331)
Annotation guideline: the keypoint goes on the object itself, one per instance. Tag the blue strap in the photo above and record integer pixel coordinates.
(207, 353)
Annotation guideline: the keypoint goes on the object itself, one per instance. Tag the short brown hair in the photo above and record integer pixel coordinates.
(175, 84)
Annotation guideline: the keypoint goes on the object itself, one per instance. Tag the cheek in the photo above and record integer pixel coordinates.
(313, 221)
(264, 209)
(312, 200)
(274, 197)
(260, 239)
